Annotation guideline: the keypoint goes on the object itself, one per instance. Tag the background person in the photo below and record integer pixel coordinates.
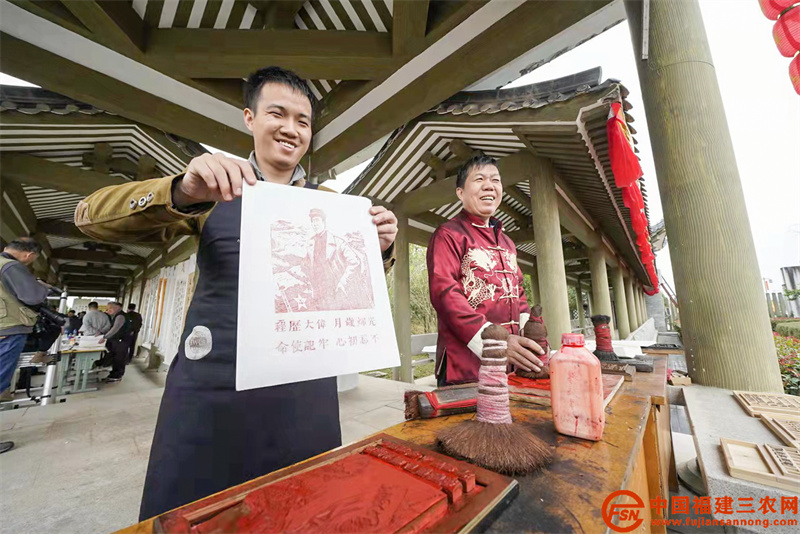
(117, 341)
(95, 322)
(19, 291)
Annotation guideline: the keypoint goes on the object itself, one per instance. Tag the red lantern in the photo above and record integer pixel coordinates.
(786, 32)
(794, 73)
(773, 8)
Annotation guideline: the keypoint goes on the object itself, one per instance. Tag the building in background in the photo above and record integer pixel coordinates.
(791, 287)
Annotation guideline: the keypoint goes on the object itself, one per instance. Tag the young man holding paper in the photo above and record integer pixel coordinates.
(209, 436)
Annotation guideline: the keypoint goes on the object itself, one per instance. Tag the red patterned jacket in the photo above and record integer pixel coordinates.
(474, 280)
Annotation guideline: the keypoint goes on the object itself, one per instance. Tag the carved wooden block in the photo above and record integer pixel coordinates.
(768, 403)
(619, 368)
(787, 459)
(765, 464)
(785, 427)
(378, 485)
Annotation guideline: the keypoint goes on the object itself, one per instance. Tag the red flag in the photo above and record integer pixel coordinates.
(624, 163)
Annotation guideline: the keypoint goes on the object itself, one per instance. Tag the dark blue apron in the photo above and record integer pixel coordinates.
(210, 437)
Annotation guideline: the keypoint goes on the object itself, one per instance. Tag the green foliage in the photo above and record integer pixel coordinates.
(423, 316)
(775, 321)
(791, 294)
(788, 328)
(788, 349)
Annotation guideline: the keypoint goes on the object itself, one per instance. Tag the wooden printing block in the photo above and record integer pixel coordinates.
(345, 490)
(618, 368)
(344, 496)
(447, 482)
(466, 476)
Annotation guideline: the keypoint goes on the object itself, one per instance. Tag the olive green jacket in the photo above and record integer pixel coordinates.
(13, 313)
(144, 212)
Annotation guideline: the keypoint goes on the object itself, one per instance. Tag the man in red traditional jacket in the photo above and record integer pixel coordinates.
(475, 280)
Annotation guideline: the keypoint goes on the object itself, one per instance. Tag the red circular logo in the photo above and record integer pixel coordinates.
(625, 512)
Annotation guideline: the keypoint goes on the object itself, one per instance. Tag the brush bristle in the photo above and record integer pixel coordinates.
(505, 448)
(412, 404)
(544, 373)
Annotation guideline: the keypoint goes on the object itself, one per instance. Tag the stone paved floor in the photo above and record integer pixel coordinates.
(79, 467)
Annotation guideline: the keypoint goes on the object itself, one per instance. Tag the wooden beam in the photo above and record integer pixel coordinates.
(97, 256)
(571, 254)
(60, 228)
(531, 24)
(181, 252)
(461, 149)
(12, 192)
(524, 235)
(409, 24)
(438, 166)
(227, 90)
(516, 194)
(114, 23)
(443, 192)
(509, 210)
(279, 15)
(28, 62)
(67, 269)
(100, 280)
(312, 54)
(40, 172)
(54, 11)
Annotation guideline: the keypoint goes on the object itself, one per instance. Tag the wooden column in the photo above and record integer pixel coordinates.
(600, 291)
(642, 307)
(711, 242)
(402, 301)
(581, 315)
(633, 317)
(550, 255)
(621, 304)
(535, 296)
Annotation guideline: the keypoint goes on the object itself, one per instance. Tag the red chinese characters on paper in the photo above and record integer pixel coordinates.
(315, 335)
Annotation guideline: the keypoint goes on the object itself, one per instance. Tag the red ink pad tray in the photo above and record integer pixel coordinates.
(537, 390)
(378, 485)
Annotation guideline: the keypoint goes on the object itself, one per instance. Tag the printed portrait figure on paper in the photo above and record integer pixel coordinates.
(317, 270)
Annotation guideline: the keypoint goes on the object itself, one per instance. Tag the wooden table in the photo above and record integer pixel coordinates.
(84, 358)
(634, 454)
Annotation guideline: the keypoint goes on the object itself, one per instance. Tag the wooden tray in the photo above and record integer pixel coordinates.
(360, 487)
(757, 404)
(537, 390)
(785, 427)
(757, 463)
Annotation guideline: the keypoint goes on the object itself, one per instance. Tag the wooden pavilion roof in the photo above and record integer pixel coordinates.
(178, 65)
(563, 120)
(55, 150)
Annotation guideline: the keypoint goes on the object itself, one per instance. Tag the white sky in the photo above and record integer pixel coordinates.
(762, 109)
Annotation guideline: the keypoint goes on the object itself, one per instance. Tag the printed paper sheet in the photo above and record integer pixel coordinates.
(313, 301)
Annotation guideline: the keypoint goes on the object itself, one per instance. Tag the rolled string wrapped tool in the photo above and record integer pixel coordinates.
(536, 330)
(602, 334)
(491, 439)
